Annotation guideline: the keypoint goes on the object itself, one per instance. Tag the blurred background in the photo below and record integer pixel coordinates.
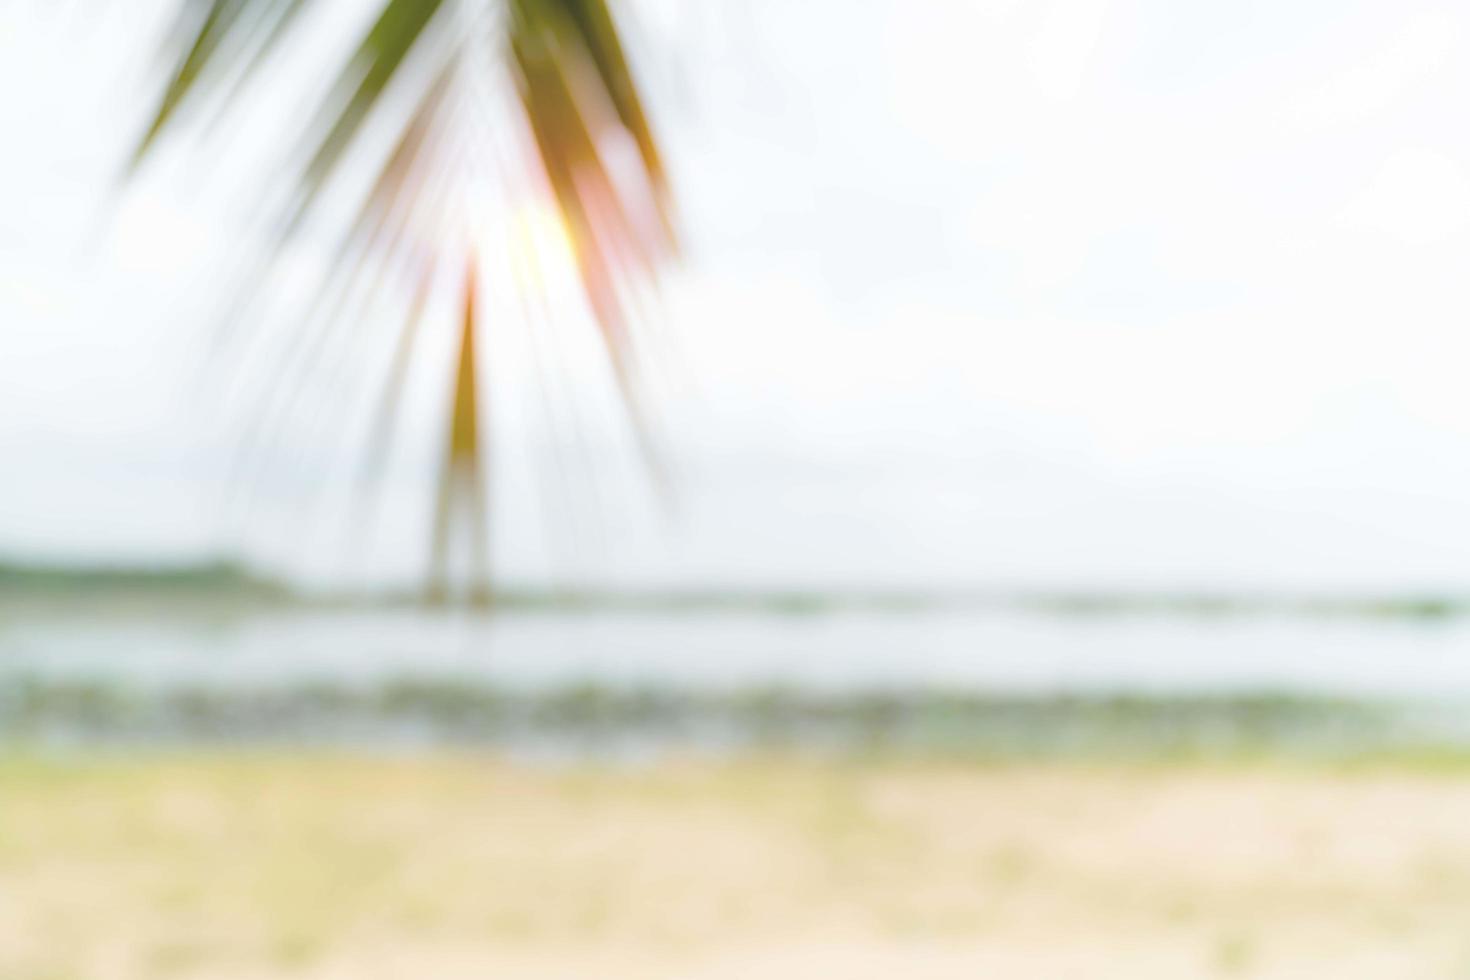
(1008, 519)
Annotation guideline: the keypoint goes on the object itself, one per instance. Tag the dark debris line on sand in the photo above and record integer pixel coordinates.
(596, 719)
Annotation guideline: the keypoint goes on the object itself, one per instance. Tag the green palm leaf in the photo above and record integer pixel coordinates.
(571, 81)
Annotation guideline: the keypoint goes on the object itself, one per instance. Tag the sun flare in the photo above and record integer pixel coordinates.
(535, 231)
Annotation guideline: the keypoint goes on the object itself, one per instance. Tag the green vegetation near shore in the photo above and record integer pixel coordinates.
(179, 587)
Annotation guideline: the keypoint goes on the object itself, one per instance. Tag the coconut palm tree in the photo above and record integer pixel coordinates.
(415, 103)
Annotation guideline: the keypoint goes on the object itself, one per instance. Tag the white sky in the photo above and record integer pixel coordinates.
(1081, 292)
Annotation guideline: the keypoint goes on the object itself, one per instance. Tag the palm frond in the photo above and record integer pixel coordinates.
(462, 480)
(571, 82)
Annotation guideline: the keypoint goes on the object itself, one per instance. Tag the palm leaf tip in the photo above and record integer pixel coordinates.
(462, 478)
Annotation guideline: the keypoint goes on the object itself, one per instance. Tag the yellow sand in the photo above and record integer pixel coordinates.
(446, 868)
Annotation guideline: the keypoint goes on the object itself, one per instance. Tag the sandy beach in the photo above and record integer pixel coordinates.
(252, 866)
